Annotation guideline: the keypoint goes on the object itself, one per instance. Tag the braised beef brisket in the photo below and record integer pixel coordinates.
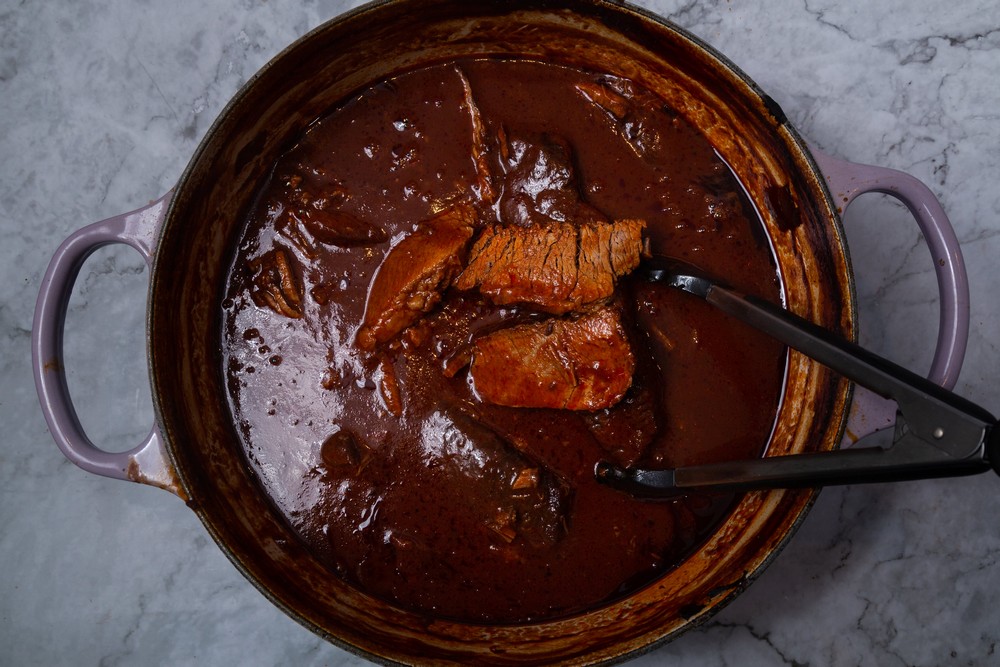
(516, 497)
(582, 363)
(536, 181)
(638, 115)
(558, 268)
(413, 275)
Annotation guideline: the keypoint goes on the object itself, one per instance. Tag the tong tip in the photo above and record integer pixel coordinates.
(677, 273)
(638, 482)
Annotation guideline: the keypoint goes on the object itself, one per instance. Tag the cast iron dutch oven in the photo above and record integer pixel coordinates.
(187, 237)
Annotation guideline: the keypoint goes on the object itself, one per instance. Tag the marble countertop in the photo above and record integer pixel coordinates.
(102, 103)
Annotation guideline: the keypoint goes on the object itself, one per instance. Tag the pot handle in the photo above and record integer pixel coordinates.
(848, 180)
(147, 463)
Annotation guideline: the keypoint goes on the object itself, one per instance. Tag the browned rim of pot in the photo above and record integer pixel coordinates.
(302, 83)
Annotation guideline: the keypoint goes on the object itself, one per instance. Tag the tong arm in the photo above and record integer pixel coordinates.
(938, 433)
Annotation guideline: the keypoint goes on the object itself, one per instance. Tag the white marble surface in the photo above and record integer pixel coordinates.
(102, 103)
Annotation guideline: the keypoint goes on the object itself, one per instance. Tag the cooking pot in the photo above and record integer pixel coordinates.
(187, 238)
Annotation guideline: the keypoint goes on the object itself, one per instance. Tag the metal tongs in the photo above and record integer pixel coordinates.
(937, 433)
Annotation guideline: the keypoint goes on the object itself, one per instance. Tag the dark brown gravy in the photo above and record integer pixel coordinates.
(395, 504)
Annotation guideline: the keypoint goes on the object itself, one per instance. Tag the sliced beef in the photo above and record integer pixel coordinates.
(584, 363)
(340, 228)
(513, 496)
(461, 477)
(626, 430)
(275, 283)
(558, 268)
(638, 114)
(480, 145)
(413, 275)
(611, 101)
(315, 202)
(537, 182)
(388, 387)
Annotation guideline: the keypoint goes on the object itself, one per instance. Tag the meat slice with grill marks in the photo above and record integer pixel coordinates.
(411, 278)
(558, 267)
(582, 363)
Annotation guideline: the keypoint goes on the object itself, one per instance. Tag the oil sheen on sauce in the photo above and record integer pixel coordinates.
(399, 493)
